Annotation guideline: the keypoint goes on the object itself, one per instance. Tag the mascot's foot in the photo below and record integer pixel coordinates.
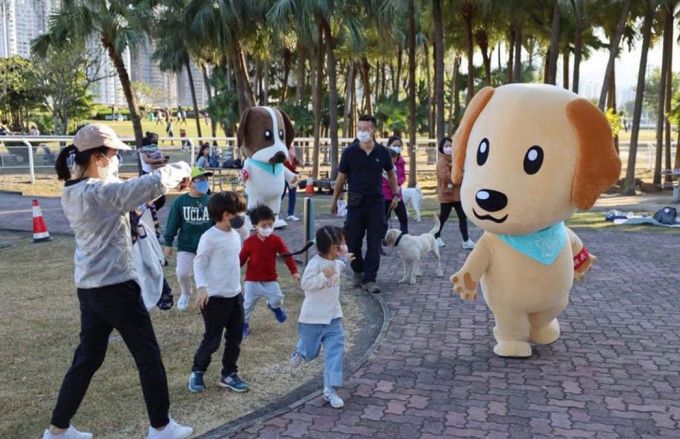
(279, 223)
(547, 334)
(518, 349)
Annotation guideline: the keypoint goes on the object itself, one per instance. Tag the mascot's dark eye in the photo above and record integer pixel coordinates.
(281, 134)
(268, 135)
(483, 151)
(533, 160)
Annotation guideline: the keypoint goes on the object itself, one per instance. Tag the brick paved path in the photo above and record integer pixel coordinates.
(614, 373)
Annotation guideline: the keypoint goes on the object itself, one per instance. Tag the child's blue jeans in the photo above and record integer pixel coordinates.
(332, 336)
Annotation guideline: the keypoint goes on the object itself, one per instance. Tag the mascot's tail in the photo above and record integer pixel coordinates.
(436, 227)
(304, 249)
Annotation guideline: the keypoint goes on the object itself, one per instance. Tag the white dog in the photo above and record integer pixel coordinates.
(414, 196)
(413, 249)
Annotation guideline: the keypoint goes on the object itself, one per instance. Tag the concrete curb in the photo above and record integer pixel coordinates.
(272, 410)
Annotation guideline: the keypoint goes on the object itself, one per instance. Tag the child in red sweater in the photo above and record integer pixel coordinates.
(260, 251)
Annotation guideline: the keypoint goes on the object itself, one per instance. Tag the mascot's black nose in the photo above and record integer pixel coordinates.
(491, 201)
(279, 157)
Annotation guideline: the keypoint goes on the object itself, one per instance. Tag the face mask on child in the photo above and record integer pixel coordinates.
(202, 186)
(237, 221)
(265, 231)
(342, 251)
(447, 150)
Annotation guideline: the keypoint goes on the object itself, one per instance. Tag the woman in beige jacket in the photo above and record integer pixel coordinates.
(449, 196)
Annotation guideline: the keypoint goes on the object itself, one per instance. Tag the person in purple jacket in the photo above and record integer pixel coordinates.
(394, 145)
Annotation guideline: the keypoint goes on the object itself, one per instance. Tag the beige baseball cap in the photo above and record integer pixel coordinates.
(95, 135)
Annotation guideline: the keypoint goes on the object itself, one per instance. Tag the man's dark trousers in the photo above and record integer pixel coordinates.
(367, 219)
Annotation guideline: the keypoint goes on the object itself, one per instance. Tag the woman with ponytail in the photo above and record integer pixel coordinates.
(96, 204)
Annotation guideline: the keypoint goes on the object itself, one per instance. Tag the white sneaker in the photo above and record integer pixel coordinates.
(171, 431)
(440, 243)
(330, 395)
(183, 302)
(468, 245)
(295, 359)
(70, 433)
(293, 218)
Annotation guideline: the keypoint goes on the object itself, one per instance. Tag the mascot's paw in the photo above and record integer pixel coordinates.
(517, 349)
(545, 335)
(464, 285)
(580, 274)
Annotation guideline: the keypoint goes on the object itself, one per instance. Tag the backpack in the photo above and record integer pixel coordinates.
(666, 215)
(233, 164)
(214, 161)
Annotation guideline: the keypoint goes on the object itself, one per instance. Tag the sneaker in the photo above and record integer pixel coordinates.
(372, 287)
(171, 431)
(330, 395)
(70, 433)
(246, 329)
(468, 245)
(356, 280)
(279, 313)
(234, 383)
(183, 302)
(440, 242)
(293, 218)
(196, 383)
(295, 359)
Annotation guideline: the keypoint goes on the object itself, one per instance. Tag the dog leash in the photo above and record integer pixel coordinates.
(396, 243)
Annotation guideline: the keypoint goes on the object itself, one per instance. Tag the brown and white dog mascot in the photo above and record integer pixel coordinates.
(531, 155)
(264, 135)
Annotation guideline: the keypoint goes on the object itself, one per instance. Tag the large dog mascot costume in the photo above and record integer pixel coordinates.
(528, 156)
(264, 135)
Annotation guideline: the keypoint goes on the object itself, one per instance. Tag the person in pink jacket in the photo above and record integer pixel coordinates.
(394, 145)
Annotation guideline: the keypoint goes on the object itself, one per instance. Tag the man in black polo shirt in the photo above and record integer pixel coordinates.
(362, 165)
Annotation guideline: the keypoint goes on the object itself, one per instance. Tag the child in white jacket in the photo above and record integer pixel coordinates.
(321, 313)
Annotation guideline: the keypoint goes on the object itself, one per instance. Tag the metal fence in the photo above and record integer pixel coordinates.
(31, 155)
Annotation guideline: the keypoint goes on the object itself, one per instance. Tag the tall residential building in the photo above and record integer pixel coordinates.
(20, 22)
(144, 69)
(184, 91)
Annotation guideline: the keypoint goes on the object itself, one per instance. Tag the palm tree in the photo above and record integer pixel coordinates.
(467, 9)
(629, 184)
(613, 50)
(172, 48)
(666, 72)
(439, 66)
(118, 25)
(554, 45)
(412, 92)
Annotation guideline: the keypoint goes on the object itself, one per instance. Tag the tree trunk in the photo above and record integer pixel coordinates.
(192, 88)
(611, 104)
(129, 96)
(365, 81)
(613, 49)
(300, 84)
(629, 184)
(208, 89)
(565, 67)
(348, 100)
(332, 98)
(669, 88)
(318, 93)
(517, 74)
(430, 105)
(265, 84)
(468, 9)
(454, 115)
(399, 68)
(554, 45)
(383, 82)
(577, 55)
(511, 55)
(665, 68)
(412, 94)
(482, 38)
(439, 67)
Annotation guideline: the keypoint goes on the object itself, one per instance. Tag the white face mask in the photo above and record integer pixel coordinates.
(110, 170)
(364, 136)
(447, 150)
(265, 231)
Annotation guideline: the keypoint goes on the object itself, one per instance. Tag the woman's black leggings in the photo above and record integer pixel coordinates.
(445, 211)
(400, 210)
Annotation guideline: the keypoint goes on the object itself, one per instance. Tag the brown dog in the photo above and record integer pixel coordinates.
(264, 135)
(532, 154)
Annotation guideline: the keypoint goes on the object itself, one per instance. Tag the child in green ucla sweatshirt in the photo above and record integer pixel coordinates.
(188, 220)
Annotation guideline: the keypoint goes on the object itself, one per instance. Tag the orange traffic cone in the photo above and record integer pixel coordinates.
(40, 233)
(309, 189)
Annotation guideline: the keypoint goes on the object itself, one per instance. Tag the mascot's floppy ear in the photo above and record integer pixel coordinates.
(460, 138)
(241, 134)
(598, 165)
(290, 131)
